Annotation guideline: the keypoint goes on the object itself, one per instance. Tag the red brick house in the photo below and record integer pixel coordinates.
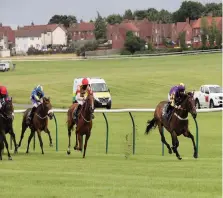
(116, 34)
(196, 27)
(9, 33)
(184, 27)
(82, 31)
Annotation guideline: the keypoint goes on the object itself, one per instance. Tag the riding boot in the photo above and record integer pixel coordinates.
(76, 112)
(31, 115)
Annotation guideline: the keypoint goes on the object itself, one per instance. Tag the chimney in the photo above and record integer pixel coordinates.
(188, 20)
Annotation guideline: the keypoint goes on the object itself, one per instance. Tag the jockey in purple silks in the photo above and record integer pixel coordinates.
(175, 94)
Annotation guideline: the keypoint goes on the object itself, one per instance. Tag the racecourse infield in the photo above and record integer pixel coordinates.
(134, 83)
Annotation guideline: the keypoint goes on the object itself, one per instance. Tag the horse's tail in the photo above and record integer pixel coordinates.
(151, 124)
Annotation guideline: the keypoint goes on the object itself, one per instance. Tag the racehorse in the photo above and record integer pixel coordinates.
(6, 119)
(84, 123)
(177, 124)
(39, 122)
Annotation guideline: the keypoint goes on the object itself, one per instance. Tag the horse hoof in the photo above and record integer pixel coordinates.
(15, 152)
(51, 145)
(68, 152)
(195, 155)
(10, 158)
(27, 152)
(75, 148)
(170, 151)
(42, 153)
(179, 158)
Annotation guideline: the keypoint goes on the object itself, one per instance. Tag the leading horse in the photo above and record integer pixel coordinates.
(6, 119)
(39, 122)
(177, 124)
(84, 123)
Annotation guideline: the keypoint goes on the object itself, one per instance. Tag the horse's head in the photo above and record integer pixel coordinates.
(89, 104)
(189, 104)
(7, 108)
(48, 106)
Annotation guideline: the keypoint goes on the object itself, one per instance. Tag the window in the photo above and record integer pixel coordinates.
(99, 87)
(206, 90)
(216, 90)
(202, 89)
(31, 38)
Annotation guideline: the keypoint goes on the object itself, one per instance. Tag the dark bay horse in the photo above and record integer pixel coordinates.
(84, 124)
(6, 119)
(39, 122)
(177, 124)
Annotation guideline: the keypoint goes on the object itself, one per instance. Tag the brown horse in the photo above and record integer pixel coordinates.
(84, 123)
(6, 119)
(177, 124)
(39, 122)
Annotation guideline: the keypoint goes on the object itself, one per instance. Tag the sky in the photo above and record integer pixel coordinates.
(23, 12)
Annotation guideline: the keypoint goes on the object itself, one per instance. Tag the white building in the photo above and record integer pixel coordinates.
(3, 41)
(39, 37)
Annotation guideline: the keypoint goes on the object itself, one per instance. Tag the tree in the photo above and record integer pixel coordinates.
(140, 14)
(182, 39)
(214, 8)
(152, 14)
(134, 43)
(114, 18)
(212, 33)
(128, 15)
(204, 31)
(219, 39)
(100, 28)
(188, 9)
(165, 16)
(63, 19)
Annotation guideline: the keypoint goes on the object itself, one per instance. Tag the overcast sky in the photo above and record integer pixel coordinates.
(23, 12)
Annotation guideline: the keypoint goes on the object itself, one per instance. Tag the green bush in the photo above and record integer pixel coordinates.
(125, 52)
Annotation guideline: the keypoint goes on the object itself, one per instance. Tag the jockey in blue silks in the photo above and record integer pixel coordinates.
(36, 96)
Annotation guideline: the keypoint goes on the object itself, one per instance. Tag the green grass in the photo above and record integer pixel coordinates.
(130, 81)
(146, 174)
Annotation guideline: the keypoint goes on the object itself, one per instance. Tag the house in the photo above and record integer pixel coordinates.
(9, 33)
(3, 41)
(116, 34)
(82, 31)
(39, 36)
(196, 27)
(184, 27)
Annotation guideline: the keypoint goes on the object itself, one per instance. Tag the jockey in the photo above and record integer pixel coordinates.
(3, 95)
(176, 93)
(80, 95)
(36, 96)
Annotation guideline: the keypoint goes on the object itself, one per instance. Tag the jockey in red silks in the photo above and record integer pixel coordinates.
(80, 96)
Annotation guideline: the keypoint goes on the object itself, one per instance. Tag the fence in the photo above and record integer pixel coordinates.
(129, 111)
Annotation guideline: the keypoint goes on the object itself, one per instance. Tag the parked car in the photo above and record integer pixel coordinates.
(101, 93)
(209, 96)
(4, 66)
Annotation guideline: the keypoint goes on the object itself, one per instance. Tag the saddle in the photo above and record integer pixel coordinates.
(167, 112)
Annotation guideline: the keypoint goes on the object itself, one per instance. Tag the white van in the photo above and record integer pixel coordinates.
(101, 92)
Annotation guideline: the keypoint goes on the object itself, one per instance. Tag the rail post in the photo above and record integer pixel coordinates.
(197, 135)
(133, 133)
(55, 119)
(107, 131)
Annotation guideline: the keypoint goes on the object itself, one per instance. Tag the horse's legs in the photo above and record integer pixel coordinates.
(85, 144)
(69, 136)
(40, 140)
(24, 127)
(163, 138)
(189, 135)
(14, 140)
(7, 146)
(49, 134)
(80, 141)
(76, 144)
(175, 144)
(29, 140)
